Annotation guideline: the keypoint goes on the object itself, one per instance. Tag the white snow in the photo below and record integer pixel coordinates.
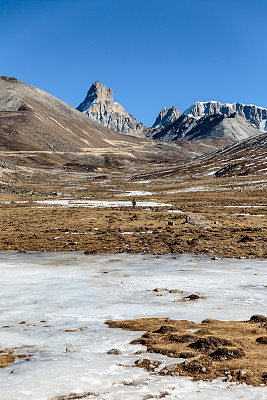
(136, 193)
(98, 203)
(71, 290)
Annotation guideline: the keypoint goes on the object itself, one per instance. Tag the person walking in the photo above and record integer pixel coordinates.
(134, 203)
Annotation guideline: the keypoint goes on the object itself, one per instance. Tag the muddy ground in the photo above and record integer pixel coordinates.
(234, 209)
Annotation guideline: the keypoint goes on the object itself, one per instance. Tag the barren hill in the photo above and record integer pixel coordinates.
(37, 129)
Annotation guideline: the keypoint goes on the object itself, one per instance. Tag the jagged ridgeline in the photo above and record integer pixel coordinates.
(210, 120)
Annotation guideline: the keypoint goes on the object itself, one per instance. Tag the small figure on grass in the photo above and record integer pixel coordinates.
(134, 203)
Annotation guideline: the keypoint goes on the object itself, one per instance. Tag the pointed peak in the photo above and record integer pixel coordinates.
(166, 117)
(100, 92)
(95, 94)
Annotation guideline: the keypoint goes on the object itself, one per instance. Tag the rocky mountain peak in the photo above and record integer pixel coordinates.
(253, 114)
(166, 117)
(100, 107)
(96, 93)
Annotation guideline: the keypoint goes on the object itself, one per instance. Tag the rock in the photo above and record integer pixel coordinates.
(149, 365)
(262, 340)
(224, 353)
(198, 220)
(160, 290)
(136, 382)
(191, 297)
(176, 291)
(194, 367)
(76, 330)
(258, 318)
(167, 370)
(207, 343)
(100, 107)
(115, 352)
(246, 238)
(74, 396)
(166, 329)
(9, 102)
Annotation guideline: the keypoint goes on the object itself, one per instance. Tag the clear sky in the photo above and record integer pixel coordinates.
(152, 53)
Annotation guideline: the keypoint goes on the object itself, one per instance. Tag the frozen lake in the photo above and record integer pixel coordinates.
(71, 291)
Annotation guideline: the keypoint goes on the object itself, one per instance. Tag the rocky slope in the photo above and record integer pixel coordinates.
(232, 128)
(37, 129)
(99, 106)
(166, 117)
(256, 115)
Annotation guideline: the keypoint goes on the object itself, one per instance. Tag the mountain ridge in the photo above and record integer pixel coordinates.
(99, 106)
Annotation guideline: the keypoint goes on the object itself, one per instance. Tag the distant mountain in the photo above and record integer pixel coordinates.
(255, 115)
(37, 129)
(232, 128)
(166, 117)
(99, 106)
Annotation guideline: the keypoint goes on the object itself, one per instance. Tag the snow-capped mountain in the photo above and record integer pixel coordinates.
(254, 114)
(100, 107)
(232, 128)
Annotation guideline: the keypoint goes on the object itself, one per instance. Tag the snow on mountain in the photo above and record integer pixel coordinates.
(254, 114)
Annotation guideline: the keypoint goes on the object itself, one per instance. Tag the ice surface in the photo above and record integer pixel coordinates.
(71, 290)
(99, 203)
(136, 193)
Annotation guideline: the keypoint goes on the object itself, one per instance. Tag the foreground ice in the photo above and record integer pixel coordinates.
(71, 290)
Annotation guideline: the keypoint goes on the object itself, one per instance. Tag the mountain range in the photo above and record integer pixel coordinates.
(203, 120)
(39, 130)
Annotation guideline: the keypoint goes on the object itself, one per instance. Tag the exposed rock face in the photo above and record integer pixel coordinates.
(8, 102)
(255, 115)
(232, 128)
(37, 129)
(100, 107)
(166, 117)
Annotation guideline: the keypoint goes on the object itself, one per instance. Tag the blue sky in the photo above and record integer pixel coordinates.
(152, 53)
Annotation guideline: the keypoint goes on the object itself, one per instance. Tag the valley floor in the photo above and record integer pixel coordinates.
(57, 210)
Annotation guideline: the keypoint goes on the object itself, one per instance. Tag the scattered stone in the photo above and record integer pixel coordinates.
(136, 382)
(169, 369)
(246, 238)
(159, 396)
(258, 318)
(198, 220)
(194, 367)
(224, 353)
(115, 352)
(77, 329)
(191, 297)
(166, 329)
(210, 342)
(176, 291)
(262, 340)
(149, 365)
(160, 290)
(74, 396)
